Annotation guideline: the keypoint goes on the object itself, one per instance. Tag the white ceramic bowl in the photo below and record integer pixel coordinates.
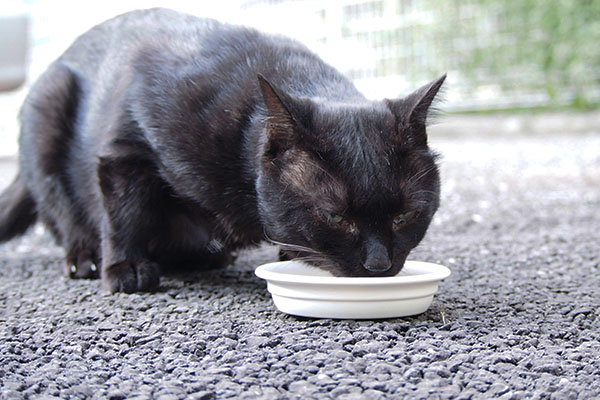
(300, 289)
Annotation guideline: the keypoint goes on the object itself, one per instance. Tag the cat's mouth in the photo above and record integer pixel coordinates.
(341, 268)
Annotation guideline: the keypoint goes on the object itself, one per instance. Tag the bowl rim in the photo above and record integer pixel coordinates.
(436, 272)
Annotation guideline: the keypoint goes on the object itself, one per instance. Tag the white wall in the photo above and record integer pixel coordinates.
(56, 23)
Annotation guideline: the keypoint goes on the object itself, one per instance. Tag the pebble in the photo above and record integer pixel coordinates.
(517, 318)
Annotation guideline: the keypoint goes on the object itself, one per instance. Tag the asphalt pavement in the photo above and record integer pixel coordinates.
(519, 317)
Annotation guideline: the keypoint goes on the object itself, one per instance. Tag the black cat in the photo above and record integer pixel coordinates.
(160, 139)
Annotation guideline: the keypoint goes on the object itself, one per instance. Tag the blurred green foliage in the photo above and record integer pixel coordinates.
(502, 54)
(550, 46)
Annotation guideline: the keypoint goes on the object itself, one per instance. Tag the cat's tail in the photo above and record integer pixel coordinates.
(17, 210)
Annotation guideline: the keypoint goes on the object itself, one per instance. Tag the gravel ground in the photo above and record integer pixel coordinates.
(518, 318)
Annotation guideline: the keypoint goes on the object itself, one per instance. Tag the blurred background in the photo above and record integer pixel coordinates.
(537, 58)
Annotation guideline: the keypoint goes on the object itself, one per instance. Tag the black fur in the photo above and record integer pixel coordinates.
(160, 139)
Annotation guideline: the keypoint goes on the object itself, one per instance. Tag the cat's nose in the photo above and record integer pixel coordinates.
(378, 265)
(378, 259)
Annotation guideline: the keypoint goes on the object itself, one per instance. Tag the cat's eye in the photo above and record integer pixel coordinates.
(334, 219)
(338, 221)
(402, 219)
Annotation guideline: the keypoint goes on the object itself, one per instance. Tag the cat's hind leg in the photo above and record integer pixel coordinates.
(48, 131)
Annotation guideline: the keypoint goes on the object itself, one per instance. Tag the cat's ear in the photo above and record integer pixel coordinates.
(282, 126)
(411, 112)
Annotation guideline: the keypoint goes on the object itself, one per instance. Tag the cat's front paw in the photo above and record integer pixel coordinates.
(129, 277)
(82, 264)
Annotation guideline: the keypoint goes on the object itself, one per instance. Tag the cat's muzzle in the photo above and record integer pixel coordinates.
(377, 258)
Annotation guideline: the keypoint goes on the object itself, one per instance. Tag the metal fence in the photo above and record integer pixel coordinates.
(498, 54)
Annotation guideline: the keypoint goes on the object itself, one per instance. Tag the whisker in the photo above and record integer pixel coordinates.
(313, 259)
(418, 192)
(311, 256)
(421, 196)
(291, 246)
(415, 178)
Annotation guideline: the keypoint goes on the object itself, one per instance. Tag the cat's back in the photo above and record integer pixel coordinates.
(168, 44)
(122, 38)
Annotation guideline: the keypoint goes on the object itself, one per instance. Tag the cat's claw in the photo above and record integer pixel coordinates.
(83, 271)
(131, 277)
(80, 264)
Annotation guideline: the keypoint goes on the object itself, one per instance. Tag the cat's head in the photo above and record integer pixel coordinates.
(350, 188)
